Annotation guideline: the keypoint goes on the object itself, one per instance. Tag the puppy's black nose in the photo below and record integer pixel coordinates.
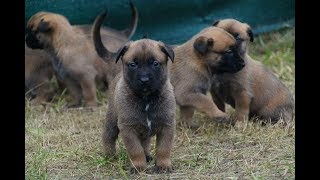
(144, 79)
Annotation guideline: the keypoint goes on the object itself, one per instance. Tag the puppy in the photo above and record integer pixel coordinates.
(39, 67)
(141, 104)
(254, 90)
(38, 73)
(74, 58)
(209, 52)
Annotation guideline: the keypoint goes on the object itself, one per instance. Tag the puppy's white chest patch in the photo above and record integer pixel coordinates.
(148, 121)
(147, 107)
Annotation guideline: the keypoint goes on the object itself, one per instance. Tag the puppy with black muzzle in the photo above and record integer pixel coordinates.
(210, 51)
(254, 91)
(74, 58)
(141, 104)
(112, 38)
(38, 63)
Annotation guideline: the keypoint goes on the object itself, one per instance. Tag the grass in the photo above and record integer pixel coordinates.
(67, 144)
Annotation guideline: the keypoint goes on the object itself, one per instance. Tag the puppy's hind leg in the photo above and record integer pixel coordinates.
(75, 92)
(204, 104)
(288, 114)
(44, 93)
(88, 87)
(285, 113)
(242, 107)
(186, 114)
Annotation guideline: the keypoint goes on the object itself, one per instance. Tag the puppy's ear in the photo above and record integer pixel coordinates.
(168, 51)
(250, 34)
(202, 44)
(121, 52)
(210, 42)
(44, 26)
(216, 23)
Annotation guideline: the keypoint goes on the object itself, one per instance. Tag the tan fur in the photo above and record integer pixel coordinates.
(38, 73)
(255, 90)
(75, 59)
(128, 114)
(237, 29)
(35, 58)
(191, 77)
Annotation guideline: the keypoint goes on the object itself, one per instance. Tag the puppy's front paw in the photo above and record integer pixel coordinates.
(92, 104)
(109, 147)
(163, 169)
(223, 119)
(137, 169)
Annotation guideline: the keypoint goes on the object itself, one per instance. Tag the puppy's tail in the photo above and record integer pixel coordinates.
(102, 51)
(129, 32)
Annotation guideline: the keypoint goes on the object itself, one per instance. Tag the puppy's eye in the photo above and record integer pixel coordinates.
(237, 36)
(132, 65)
(156, 63)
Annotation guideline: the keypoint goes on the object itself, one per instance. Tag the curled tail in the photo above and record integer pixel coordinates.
(102, 51)
(129, 32)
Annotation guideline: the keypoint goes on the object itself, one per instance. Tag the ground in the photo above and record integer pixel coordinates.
(67, 144)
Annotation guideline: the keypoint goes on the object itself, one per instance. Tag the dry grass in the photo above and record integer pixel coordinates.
(67, 144)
